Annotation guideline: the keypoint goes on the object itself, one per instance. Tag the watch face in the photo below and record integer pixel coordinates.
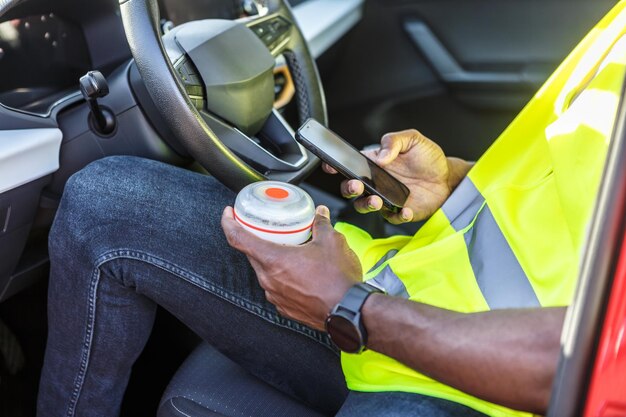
(344, 334)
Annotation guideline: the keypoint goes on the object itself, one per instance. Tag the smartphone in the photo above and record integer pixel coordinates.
(347, 160)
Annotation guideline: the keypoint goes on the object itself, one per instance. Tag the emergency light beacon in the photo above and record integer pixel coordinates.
(275, 211)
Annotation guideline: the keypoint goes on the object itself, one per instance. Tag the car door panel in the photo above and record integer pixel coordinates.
(419, 63)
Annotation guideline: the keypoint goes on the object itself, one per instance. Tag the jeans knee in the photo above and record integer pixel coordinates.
(119, 202)
(87, 198)
(105, 174)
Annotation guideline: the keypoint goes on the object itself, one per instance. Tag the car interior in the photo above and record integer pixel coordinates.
(219, 87)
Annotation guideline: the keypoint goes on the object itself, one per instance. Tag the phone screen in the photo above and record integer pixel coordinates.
(346, 159)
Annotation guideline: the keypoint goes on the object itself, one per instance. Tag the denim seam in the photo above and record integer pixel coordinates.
(194, 279)
(187, 276)
(84, 362)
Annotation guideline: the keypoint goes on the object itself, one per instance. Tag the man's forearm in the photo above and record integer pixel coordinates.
(508, 357)
(458, 169)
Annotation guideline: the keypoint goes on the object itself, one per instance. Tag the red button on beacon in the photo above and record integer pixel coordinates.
(277, 193)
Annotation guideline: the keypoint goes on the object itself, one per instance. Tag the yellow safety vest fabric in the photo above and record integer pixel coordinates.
(538, 182)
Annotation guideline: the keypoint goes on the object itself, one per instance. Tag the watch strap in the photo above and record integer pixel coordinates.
(355, 297)
(349, 308)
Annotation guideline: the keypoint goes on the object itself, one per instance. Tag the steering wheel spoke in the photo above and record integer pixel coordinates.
(272, 149)
(212, 82)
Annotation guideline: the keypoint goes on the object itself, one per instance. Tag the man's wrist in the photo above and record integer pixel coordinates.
(457, 170)
(369, 312)
(344, 324)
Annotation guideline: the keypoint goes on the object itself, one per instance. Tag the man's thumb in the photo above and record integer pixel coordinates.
(321, 223)
(390, 147)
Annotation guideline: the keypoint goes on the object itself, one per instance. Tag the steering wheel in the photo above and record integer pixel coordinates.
(212, 82)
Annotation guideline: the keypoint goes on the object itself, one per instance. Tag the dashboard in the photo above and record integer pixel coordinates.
(181, 11)
(41, 56)
(46, 46)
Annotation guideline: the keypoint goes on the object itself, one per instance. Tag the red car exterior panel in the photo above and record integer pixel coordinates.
(607, 392)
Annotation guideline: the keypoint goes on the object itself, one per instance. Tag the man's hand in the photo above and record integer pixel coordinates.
(417, 162)
(303, 282)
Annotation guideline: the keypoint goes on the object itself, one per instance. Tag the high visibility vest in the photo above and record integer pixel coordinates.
(511, 234)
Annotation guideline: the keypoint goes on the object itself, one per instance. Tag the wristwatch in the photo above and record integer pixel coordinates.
(344, 324)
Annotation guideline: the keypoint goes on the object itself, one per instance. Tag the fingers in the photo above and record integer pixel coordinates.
(355, 188)
(241, 239)
(374, 203)
(352, 188)
(368, 204)
(328, 169)
(403, 216)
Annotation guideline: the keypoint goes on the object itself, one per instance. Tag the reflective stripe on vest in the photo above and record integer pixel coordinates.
(386, 279)
(498, 272)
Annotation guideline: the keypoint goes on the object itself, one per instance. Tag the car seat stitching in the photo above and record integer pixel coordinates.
(179, 410)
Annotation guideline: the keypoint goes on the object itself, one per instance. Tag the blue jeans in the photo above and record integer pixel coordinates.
(131, 234)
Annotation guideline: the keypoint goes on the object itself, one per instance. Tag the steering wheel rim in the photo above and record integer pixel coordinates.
(141, 24)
